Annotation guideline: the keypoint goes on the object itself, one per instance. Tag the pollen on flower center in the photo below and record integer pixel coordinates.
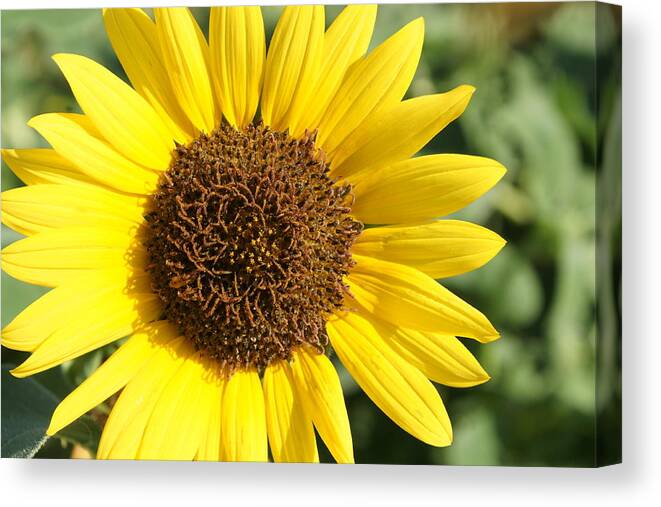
(249, 241)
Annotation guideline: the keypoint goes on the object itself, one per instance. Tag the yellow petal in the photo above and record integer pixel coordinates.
(112, 375)
(243, 419)
(71, 137)
(409, 298)
(399, 389)
(345, 41)
(56, 308)
(319, 387)
(442, 358)
(133, 36)
(290, 431)
(377, 81)
(125, 119)
(41, 165)
(186, 57)
(237, 51)
(210, 446)
(439, 249)
(124, 429)
(396, 133)
(105, 317)
(55, 256)
(177, 422)
(38, 208)
(38, 320)
(292, 64)
(422, 188)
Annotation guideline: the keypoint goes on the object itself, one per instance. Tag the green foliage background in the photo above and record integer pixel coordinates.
(535, 110)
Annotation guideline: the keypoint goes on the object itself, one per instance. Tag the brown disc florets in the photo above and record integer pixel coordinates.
(249, 240)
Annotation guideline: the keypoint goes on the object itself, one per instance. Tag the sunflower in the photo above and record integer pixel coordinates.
(239, 250)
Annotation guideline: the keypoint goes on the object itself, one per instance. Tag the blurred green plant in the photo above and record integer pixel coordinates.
(535, 110)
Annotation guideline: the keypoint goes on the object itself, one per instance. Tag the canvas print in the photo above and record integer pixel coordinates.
(341, 234)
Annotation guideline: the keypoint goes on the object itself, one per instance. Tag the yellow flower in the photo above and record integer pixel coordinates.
(231, 249)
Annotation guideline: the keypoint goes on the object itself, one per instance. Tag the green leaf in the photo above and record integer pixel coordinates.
(476, 440)
(85, 431)
(26, 411)
(80, 368)
(572, 28)
(27, 407)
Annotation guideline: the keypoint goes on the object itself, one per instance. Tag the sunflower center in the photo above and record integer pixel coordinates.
(249, 240)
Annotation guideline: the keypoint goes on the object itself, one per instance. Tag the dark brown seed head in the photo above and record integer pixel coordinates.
(249, 241)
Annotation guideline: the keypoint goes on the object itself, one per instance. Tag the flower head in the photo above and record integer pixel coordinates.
(238, 251)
